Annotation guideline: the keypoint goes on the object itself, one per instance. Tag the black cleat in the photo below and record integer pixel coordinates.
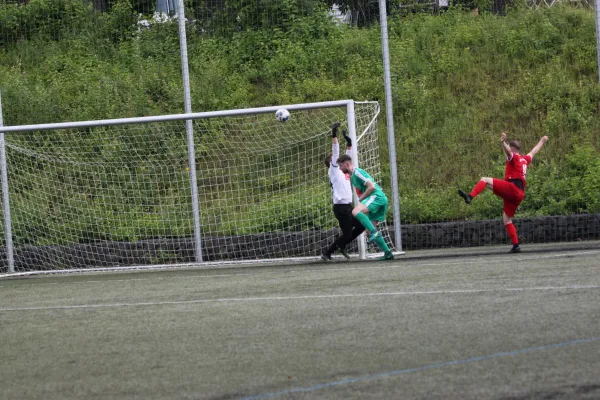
(515, 249)
(326, 257)
(345, 253)
(465, 196)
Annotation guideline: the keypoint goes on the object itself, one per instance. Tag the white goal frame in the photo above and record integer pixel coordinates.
(349, 105)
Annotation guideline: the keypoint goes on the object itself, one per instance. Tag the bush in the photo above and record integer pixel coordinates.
(458, 81)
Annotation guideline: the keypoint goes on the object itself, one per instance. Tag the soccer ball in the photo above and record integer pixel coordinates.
(282, 115)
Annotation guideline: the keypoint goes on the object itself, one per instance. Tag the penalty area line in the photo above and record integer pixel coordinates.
(423, 368)
(306, 297)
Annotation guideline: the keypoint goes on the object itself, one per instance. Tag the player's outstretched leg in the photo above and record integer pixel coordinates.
(478, 188)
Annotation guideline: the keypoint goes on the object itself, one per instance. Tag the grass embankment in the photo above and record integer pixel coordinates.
(459, 80)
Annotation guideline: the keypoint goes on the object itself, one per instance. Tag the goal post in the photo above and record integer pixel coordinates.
(352, 131)
(117, 194)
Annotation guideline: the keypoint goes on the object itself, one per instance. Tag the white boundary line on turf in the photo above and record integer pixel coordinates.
(150, 279)
(289, 262)
(157, 278)
(202, 265)
(307, 297)
(382, 265)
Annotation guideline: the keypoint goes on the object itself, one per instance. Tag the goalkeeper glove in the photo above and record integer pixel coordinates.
(334, 129)
(348, 139)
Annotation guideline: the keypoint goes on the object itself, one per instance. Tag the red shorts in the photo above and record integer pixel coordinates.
(512, 195)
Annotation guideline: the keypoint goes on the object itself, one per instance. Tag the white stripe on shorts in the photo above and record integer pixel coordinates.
(370, 200)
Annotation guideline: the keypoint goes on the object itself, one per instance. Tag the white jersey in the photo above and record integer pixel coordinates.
(341, 189)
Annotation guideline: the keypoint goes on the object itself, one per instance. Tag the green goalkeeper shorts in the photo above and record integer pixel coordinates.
(377, 206)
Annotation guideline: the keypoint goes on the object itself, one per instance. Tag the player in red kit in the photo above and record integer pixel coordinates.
(512, 188)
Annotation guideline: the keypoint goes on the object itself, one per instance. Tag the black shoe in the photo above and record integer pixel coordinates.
(326, 257)
(515, 249)
(345, 253)
(465, 196)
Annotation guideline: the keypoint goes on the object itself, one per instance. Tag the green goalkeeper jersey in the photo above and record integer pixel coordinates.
(359, 180)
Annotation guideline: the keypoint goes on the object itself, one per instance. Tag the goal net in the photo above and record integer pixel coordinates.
(119, 194)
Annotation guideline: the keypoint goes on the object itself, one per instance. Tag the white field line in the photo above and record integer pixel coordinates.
(306, 297)
(160, 278)
(384, 265)
(147, 279)
(202, 265)
(252, 263)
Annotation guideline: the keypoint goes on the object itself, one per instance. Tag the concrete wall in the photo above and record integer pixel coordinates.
(480, 233)
(290, 244)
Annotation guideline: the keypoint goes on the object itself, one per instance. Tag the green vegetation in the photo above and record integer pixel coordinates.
(463, 79)
(459, 80)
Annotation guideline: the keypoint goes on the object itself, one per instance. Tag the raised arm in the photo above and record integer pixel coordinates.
(348, 143)
(506, 147)
(335, 146)
(538, 146)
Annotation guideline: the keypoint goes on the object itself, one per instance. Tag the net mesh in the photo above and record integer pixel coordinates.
(121, 195)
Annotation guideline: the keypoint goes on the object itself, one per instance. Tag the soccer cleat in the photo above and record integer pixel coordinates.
(374, 236)
(386, 257)
(345, 253)
(465, 196)
(326, 257)
(515, 249)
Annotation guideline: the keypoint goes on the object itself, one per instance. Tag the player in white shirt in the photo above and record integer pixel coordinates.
(341, 191)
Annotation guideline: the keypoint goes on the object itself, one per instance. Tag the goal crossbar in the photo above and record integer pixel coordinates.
(172, 117)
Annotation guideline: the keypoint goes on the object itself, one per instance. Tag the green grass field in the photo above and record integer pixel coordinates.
(457, 324)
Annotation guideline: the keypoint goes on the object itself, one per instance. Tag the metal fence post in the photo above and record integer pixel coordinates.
(390, 123)
(189, 128)
(597, 14)
(362, 246)
(5, 200)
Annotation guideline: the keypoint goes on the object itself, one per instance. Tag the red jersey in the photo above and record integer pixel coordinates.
(516, 168)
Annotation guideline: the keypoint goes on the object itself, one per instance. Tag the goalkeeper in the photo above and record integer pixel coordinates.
(341, 191)
(373, 203)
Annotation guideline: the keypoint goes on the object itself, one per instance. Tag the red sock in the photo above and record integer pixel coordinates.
(512, 233)
(480, 187)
